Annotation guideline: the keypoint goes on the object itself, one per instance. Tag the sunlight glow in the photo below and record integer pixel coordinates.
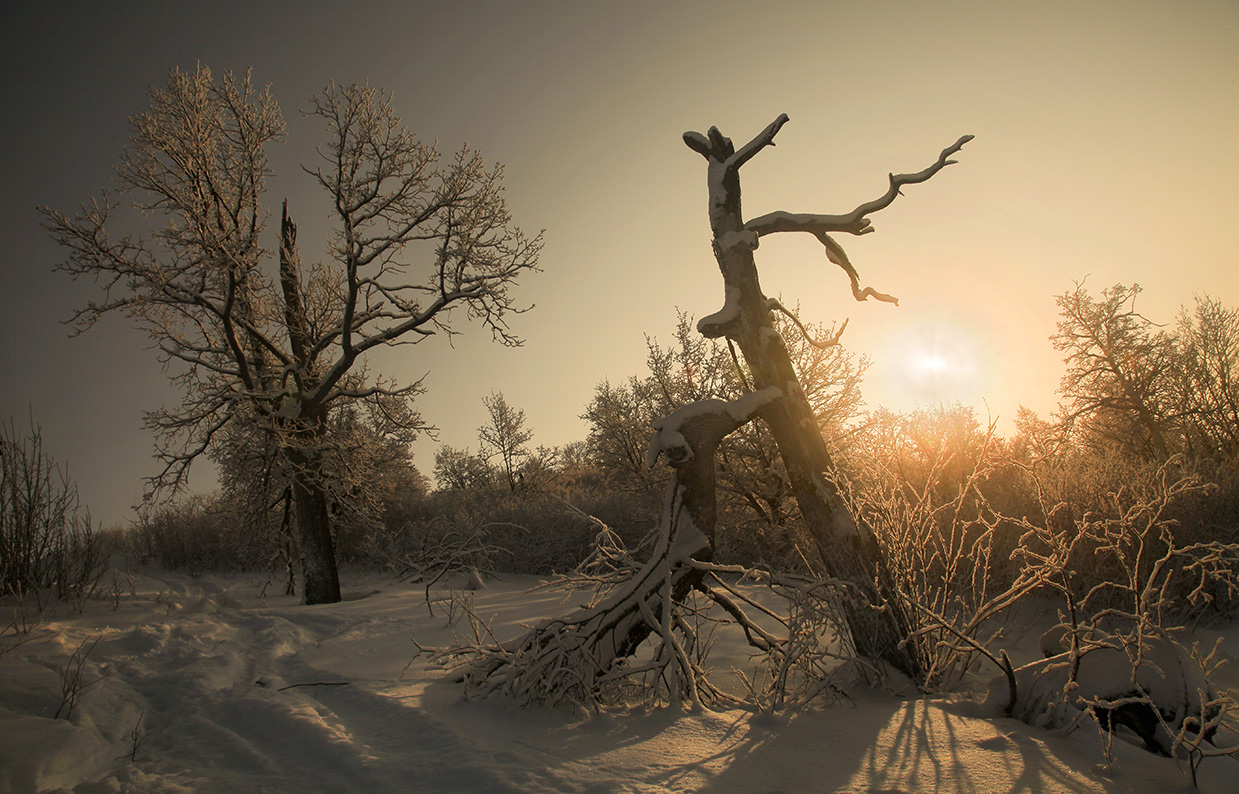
(934, 361)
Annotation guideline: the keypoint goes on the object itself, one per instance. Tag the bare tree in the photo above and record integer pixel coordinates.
(505, 437)
(460, 469)
(1209, 390)
(1120, 380)
(47, 536)
(257, 337)
(847, 549)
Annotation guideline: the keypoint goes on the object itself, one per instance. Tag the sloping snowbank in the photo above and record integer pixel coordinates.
(200, 685)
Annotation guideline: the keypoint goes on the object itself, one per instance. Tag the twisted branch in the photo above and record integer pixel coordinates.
(855, 222)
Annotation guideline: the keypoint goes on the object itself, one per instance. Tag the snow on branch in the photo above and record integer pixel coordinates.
(855, 222)
(762, 140)
(711, 418)
(897, 181)
(714, 146)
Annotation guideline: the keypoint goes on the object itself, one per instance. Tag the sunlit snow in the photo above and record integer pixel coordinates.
(205, 685)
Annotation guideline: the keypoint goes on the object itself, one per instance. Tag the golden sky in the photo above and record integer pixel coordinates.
(1105, 148)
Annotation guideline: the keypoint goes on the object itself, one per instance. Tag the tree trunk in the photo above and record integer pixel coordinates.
(320, 581)
(848, 551)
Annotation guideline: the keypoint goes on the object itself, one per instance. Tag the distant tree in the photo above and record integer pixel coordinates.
(1034, 437)
(620, 421)
(505, 437)
(460, 469)
(257, 338)
(1208, 395)
(1119, 388)
(47, 537)
(622, 417)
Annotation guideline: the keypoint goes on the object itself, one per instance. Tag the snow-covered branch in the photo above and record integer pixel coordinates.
(855, 222)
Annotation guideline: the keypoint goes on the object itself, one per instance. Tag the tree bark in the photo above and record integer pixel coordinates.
(848, 551)
(320, 580)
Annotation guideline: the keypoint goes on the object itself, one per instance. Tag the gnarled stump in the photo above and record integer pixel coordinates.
(571, 659)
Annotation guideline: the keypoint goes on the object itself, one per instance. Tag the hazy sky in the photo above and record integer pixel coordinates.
(1106, 147)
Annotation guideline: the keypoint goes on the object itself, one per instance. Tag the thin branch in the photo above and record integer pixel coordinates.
(314, 683)
(821, 344)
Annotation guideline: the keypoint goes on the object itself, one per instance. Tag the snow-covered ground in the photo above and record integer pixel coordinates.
(204, 685)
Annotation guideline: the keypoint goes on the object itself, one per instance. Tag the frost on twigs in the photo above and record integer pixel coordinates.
(647, 629)
(591, 658)
(1117, 657)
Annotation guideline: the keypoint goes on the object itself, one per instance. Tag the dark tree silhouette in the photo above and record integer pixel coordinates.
(277, 343)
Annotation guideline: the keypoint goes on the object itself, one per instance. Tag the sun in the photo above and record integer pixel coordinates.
(933, 362)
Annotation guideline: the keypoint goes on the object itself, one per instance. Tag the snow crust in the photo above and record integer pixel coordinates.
(198, 665)
(743, 238)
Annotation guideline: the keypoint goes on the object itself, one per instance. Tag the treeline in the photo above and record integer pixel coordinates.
(1138, 401)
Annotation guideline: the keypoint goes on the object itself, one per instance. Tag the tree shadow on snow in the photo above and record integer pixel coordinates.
(888, 746)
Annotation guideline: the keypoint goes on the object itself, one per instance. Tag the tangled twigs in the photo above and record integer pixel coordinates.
(647, 626)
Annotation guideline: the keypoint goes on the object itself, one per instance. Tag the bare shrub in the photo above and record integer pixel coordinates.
(137, 736)
(23, 626)
(1128, 577)
(198, 534)
(922, 484)
(47, 538)
(1131, 551)
(72, 683)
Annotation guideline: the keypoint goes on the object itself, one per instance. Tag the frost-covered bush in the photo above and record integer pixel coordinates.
(535, 533)
(1127, 574)
(922, 483)
(199, 534)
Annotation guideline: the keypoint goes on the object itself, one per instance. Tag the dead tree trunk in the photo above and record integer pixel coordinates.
(848, 550)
